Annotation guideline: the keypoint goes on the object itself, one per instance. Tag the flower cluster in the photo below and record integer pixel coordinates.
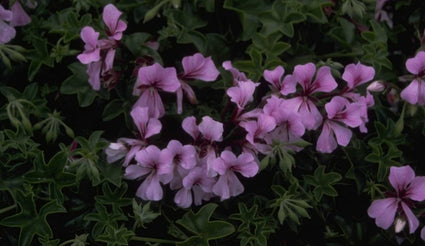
(99, 54)
(207, 167)
(16, 16)
(408, 190)
(306, 100)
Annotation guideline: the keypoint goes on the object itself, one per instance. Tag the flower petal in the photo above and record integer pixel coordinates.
(400, 177)
(383, 210)
(416, 64)
(411, 218)
(416, 189)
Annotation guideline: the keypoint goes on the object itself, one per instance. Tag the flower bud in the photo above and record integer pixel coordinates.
(376, 86)
(399, 224)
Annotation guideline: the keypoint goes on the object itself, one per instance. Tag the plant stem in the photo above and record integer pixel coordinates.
(3, 210)
(153, 240)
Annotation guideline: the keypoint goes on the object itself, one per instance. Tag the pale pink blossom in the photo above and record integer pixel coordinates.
(237, 75)
(146, 125)
(19, 17)
(304, 104)
(340, 114)
(197, 186)
(242, 93)
(285, 85)
(357, 74)
(7, 32)
(408, 189)
(150, 80)
(227, 165)
(199, 67)
(115, 26)
(91, 51)
(155, 168)
(414, 93)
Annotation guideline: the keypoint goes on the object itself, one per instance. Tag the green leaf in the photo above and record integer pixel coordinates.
(199, 223)
(115, 236)
(143, 214)
(30, 221)
(52, 173)
(322, 182)
(114, 198)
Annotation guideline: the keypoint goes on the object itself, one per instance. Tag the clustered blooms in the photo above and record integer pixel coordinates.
(208, 166)
(99, 54)
(16, 16)
(399, 203)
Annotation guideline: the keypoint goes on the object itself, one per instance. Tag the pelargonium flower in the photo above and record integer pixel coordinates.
(285, 85)
(195, 67)
(91, 51)
(242, 93)
(341, 113)
(150, 80)
(289, 127)
(146, 125)
(20, 17)
(226, 165)
(7, 32)
(205, 134)
(304, 105)
(408, 188)
(197, 186)
(414, 93)
(237, 75)
(155, 168)
(258, 128)
(184, 158)
(357, 74)
(115, 26)
(199, 67)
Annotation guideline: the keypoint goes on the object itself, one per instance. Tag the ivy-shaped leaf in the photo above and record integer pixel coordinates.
(205, 230)
(143, 214)
(30, 221)
(103, 219)
(254, 228)
(115, 236)
(51, 173)
(385, 148)
(323, 182)
(114, 198)
(291, 208)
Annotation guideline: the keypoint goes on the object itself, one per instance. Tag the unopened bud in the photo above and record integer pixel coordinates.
(399, 224)
(376, 86)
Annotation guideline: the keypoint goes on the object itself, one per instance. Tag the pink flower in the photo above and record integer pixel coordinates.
(149, 81)
(242, 93)
(205, 134)
(195, 67)
(199, 67)
(7, 32)
(323, 82)
(184, 158)
(339, 111)
(211, 130)
(258, 128)
(357, 74)
(146, 125)
(414, 93)
(91, 51)
(226, 165)
(150, 162)
(197, 186)
(115, 26)
(237, 75)
(20, 17)
(407, 188)
(285, 85)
